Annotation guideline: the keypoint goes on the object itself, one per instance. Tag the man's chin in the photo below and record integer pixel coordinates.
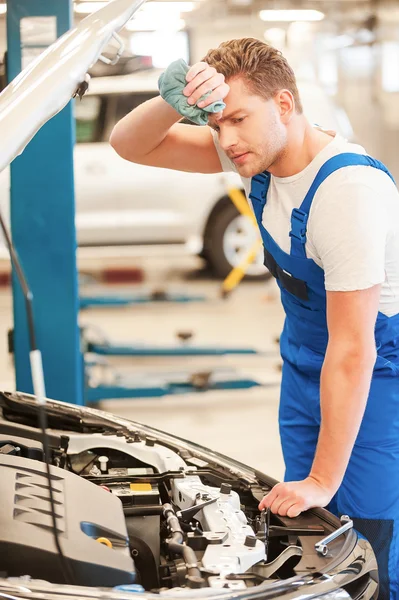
(247, 171)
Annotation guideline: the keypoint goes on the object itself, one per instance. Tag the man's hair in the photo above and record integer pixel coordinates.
(264, 68)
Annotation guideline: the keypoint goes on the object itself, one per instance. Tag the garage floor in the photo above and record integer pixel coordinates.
(240, 423)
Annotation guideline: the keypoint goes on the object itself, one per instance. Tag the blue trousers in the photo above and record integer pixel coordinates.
(369, 493)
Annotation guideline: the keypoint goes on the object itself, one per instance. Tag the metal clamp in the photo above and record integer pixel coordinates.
(321, 547)
(120, 51)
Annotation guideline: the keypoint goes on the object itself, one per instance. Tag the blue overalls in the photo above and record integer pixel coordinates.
(369, 493)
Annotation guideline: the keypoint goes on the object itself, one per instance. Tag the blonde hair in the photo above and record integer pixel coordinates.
(263, 67)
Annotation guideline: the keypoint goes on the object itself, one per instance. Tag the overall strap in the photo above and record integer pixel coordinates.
(259, 188)
(299, 217)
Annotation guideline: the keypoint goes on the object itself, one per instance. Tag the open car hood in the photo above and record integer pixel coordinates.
(47, 85)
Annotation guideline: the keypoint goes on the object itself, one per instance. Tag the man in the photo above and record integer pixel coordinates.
(329, 219)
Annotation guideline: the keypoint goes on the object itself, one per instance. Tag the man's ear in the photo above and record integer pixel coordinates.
(286, 104)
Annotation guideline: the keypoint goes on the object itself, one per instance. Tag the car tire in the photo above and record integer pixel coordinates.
(219, 251)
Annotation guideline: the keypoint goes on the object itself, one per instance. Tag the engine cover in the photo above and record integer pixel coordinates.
(27, 545)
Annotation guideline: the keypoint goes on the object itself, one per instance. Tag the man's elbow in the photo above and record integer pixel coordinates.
(354, 358)
(118, 142)
(362, 360)
(123, 145)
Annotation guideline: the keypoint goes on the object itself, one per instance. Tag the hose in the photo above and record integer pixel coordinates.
(176, 544)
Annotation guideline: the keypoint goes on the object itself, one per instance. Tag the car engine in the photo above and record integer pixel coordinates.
(135, 509)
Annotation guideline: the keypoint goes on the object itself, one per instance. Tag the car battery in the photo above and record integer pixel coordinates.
(134, 493)
(143, 529)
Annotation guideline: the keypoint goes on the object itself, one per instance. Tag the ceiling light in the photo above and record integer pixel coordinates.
(291, 15)
(3, 9)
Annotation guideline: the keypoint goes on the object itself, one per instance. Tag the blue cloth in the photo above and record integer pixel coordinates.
(171, 84)
(369, 492)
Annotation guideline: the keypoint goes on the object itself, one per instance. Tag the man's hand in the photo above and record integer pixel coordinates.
(290, 499)
(203, 79)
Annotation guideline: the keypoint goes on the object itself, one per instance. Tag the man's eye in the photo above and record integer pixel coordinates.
(240, 120)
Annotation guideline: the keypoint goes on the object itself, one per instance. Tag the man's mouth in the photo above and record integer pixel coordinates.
(239, 158)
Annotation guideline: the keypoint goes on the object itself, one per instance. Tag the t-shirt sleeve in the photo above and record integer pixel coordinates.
(349, 233)
(227, 165)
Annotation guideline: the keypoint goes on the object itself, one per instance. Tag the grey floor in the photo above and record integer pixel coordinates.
(239, 423)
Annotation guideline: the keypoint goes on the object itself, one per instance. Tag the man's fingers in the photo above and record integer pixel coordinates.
(199, 80)
(281, 498)
(268, 500)
(195, 69)
(274, 507)
(285, 506)
(211, 84)
(219, 94)
(293, 498)
(295, 510)
(284, 499)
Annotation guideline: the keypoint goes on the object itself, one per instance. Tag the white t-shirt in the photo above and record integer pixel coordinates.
(353, 225)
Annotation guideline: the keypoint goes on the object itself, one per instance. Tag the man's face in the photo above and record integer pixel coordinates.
(250, 130)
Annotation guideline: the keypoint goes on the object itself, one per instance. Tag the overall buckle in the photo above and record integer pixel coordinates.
(299, 221)
(258, 187)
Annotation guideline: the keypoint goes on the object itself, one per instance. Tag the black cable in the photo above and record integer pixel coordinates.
(65, 566)
(42, 417)
(23, 283)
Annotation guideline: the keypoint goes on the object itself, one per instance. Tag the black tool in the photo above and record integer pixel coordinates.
(265, 526)
(278, 531)
(188, 513)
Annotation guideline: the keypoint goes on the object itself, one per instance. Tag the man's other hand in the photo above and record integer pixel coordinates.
(202, 79)
(292, 498)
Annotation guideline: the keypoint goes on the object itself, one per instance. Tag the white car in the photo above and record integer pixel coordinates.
(136, 207)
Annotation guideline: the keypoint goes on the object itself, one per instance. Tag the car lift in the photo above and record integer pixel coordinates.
(109, 300)
(43, 213)
(48, 251)
(116, 385)
(236, 275)
(99, 344)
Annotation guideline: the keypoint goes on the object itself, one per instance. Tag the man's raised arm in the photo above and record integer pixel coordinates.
(151, 134)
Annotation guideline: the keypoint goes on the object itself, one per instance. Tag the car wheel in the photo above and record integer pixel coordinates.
(228, 239)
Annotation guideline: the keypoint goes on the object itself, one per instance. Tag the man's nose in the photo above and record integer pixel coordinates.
(227, 139)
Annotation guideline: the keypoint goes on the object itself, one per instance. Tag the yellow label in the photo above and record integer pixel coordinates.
(141, 487)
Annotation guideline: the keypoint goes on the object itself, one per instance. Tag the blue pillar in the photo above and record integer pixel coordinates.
(42, 218)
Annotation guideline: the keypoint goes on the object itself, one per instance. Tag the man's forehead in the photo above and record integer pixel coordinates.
(225, 115)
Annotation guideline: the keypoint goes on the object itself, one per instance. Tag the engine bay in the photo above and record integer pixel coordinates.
(136, 507)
